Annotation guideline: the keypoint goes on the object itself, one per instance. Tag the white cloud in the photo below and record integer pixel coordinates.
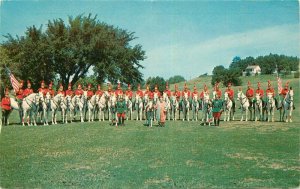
(191, 60)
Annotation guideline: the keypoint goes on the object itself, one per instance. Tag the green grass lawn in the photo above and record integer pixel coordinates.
(181, 155)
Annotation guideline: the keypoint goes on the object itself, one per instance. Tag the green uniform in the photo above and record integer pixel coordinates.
(217, 105)
(121, 107)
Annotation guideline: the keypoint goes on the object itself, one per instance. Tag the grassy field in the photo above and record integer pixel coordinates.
(181, 155)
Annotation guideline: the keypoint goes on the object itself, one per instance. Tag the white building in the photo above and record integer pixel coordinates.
(252, 70)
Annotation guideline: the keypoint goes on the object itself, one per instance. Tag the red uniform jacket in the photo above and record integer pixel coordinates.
(218, 92)
(260, 92)
(61, 92)
(51, 92)
(119, 92)
(156, 92)
(177, 94)
(5, 103)
(20, 94)
(168, 92)
(78, 92)
(149, 93)
(140, 93)
(69, 92)
(202, 94)
(99, 92)
(27, 92)
(230, 93)
(90, 93)
(195, 93)
(43, 90)
(110, 92)
(284, 92)
(250, 93)
(270, 91)
(186, 92)
(129, 93)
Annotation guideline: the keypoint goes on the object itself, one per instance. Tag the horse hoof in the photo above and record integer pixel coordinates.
(241, 120)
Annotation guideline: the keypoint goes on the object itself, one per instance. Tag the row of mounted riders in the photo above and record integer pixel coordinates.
(44, 101)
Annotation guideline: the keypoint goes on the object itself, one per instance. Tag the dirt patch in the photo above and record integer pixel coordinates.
(194, 163)
(78, 166)
(156, 163)
(151, 181)
(251, 180)
(55, 154)
(247, 156)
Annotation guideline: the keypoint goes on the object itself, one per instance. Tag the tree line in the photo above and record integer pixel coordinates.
(267, 63)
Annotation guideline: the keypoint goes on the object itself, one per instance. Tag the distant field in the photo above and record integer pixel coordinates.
(181, 155)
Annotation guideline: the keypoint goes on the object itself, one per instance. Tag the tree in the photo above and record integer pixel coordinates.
(176, 79)
(159, 81)
(67, 52)
(218, 73)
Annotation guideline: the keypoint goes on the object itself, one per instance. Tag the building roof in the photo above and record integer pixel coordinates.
(252, 66)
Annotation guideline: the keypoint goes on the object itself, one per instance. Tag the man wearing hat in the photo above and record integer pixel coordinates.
(148, 92)
(167, 91)
(119, 91)
(139, 91)
(69, 92)
(217, 90)
(28, 90)
(195, 92)
(43, 89)
(187, 92)
(19, 98)
(156, 92)
(99, 92)
(121, 110)
(230, 93)
(270, 89)
(6, 107)
(129, 92)
(79, 91)
(90, 92)
(204, 91)
(250, 94)
(149, 108)
(61, 90)
(109, 90)
(284, 92)
(259, 90)
(50, 90)
(177, 93)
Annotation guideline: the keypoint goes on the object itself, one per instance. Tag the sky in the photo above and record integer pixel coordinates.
(187, 38)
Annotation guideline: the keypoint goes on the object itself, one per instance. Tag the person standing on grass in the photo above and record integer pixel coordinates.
(161, 111)
(149, 108)
(121, 109)
(6, 107)
(217, 108)
(19, 98)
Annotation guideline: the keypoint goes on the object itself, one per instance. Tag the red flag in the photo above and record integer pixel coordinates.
(279, 84)
(14, 82)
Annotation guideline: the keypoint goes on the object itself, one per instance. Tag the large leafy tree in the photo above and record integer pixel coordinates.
(67, 52)
(159, 81)
(176, 79)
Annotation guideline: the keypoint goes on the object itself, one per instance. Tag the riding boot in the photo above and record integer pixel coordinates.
(123, 121)
(215, 122)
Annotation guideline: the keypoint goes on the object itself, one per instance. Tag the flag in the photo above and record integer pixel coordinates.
(14, 82)
(279, 84)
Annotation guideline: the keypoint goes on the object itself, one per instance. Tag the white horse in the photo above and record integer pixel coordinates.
(30, 106)
(227, 107)
(91, 105)
(54, 105)
(168, 104)
(79, 102)
(174, 107)
(101, 105)
(112, 107)
(288, 103)
(44, 104)
(64, 108)
(186, 107)
(270, 106)
(244, 104)
(129, 107)
(139, 107)
(206, 109)
(71, 105)
(195, 107)
(258, 107)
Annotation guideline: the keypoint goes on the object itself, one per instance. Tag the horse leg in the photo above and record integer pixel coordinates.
(81, 115)
(242, 119)
(290, 113)
(246, 119)
(24, 116)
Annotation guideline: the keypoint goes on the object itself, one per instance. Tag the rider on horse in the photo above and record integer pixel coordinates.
(284, 92)
(259, 91)
(177, 93)
(217, 90)
(61, 89)
(90, 92)
(270, 89)
(42, 89)
(230, 93)
(139, 91)
(250, 94)
(129, 92)
(28, 90)
(50, 90)
(69, 92)
(156, 92)
(19, 98)
(99, 92)
(187, 92)
(167, 91)
(119, 91)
